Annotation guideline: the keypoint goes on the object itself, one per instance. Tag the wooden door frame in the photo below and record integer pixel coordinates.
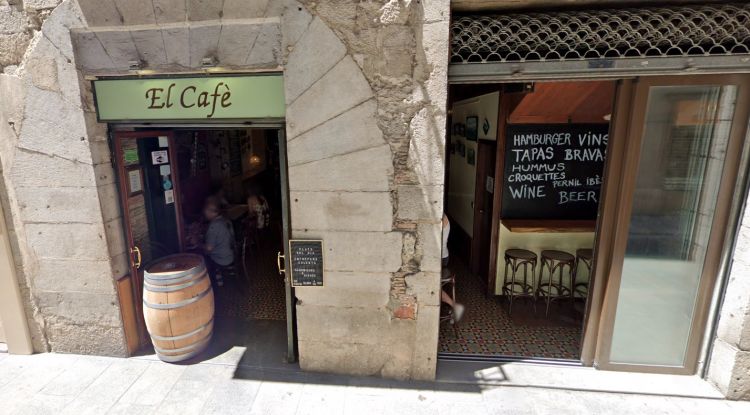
(121, 170)
(172, 151)
(616, 217)
(132, 280)
(480, 188)
(508, 102)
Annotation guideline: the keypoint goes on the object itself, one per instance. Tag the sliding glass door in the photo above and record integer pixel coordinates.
(680, 165)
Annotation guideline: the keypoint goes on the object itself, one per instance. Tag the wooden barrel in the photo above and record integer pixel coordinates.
(178, 306)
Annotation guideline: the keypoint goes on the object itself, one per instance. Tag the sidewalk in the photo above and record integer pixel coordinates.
(71, 384)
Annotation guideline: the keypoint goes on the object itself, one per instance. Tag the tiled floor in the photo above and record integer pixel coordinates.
(487, 330)
(262, 296)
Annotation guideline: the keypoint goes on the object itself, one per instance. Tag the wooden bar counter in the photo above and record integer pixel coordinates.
(548, 226)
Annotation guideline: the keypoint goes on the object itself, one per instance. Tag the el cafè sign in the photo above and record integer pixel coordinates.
(199, 98)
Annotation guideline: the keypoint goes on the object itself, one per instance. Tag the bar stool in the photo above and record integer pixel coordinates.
(448, 278)
(585, 256)
(554, 261)
(515, 259)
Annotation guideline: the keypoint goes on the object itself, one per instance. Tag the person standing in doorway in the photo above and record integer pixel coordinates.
(219, 241)
(458, 308)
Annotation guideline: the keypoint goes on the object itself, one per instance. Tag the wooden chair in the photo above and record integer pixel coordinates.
(555, 262)
(515, 259)
(448, 279)
(585, 256)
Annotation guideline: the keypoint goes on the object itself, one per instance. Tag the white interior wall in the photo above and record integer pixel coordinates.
(462, 175)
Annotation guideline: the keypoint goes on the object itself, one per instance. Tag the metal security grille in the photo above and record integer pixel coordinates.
(602, 40)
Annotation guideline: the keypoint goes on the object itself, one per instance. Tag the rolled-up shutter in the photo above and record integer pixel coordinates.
(601, 43)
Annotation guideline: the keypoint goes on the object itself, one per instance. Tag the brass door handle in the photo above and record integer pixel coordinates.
(279, 260)
(137, 252)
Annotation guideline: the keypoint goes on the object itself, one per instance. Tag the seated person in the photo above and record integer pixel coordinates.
(259, 213)
(219, 241)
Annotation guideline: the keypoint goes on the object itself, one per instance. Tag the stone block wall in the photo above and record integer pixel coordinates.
(366, 93)
(366, 177)
(54, 167)
(176, 35)
(729, 364)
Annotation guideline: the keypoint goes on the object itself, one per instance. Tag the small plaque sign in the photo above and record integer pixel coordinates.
(159, 157)
(306, 263)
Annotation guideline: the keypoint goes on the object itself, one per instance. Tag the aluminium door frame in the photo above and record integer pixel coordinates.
(621, 203)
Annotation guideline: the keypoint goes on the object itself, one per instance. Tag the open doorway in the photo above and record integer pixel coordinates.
(240, 170)
(525, 167)
(175, 183)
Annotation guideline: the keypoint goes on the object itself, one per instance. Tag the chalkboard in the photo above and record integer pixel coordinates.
(306, 262)
(553, 171)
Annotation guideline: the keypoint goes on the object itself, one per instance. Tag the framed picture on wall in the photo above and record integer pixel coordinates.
(461, 148)
(135, 181)
(471, 156)
(472, 128)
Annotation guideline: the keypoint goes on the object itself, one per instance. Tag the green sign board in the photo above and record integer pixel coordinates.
(199, 98)
(130, 155)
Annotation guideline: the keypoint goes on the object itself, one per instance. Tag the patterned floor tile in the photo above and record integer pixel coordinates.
(261, 296)
(487, 330)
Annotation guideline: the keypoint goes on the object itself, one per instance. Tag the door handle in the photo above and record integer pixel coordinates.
(279, 260)
(136, 253)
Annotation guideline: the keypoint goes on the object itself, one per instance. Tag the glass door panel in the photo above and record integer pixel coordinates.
(686, 131)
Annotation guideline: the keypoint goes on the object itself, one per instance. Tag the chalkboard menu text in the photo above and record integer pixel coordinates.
(553, 171)
(306, 263)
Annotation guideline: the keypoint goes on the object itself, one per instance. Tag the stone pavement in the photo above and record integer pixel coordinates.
(70, 384)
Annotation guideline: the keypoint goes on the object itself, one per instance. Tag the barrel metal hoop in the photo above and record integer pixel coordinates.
(192, 350)
(201, 268)
(182, 336)
(191, 273)
(171, 281)
(171, 288)
(179, 304)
